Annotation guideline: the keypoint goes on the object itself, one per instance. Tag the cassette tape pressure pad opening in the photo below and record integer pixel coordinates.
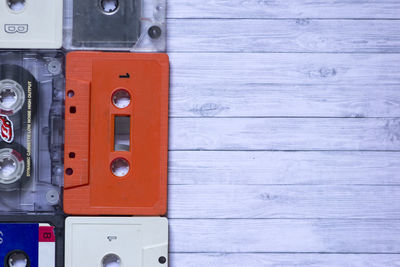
(116, 134)
(31, 24)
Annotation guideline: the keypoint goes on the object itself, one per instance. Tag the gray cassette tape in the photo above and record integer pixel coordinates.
(128, 25)
(31, 24)
(31, 131)
(116, 241)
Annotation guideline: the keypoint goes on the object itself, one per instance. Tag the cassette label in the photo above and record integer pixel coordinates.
(32, 244)
(7, 129)
(116, 127)
(29, 24)
(114, 241)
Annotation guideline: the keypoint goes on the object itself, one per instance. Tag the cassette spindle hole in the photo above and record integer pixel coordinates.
(162, 260)
(69, 171)
(17, 259)
(12, 96)
(8, 98)
(121, 98)
(8, 166)
(70, 93)
(120, 167)
(16, 5)
(111, 260)
(11, 166)
(109, 7)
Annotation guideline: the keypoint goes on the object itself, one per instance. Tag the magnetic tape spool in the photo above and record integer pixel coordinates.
(14, 165)
(18, 89)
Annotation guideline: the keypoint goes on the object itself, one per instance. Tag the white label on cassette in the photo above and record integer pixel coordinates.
(116, 241)
(31, 24)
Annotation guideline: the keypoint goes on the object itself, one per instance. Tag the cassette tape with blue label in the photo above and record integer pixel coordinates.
(31, 241)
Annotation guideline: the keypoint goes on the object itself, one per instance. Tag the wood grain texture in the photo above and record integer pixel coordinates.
(258, 77)
(274, 100)
(283, 168)
(292, 35)
(283, 260)
(261, 201)
(267, 9)
(285, 235)
(223, 70)
(284, 134)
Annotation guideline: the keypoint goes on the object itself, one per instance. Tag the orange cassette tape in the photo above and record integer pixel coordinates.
(116, 133)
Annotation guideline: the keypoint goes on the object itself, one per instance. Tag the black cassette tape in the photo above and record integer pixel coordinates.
(31, 131)
(32, 241)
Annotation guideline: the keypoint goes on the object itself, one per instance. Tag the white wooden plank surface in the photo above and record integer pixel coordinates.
(285, 235)
(386, 9)
(292, 35)
(223, 70)
(283, 260)
(284, 134)
(274, 100)
(261, 201)
(283, 168)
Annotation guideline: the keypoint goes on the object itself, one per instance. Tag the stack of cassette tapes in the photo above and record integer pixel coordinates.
(84, 88)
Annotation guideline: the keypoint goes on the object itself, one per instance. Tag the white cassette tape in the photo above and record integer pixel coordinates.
(116, 241)
(31, 24)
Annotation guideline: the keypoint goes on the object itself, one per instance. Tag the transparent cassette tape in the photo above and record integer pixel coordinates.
(125, 25)
(31, 131)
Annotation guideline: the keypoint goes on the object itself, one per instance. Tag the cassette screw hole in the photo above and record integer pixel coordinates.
(120, 167)
(8, 98)
(70, 93)
(52, 197)
(111, 260)
(18, 259)
(109, 6)
(154, 32)
(71, 155)
(16, 5)
(69, 171)
(121, 98)
(162, 260)
(72, 109)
